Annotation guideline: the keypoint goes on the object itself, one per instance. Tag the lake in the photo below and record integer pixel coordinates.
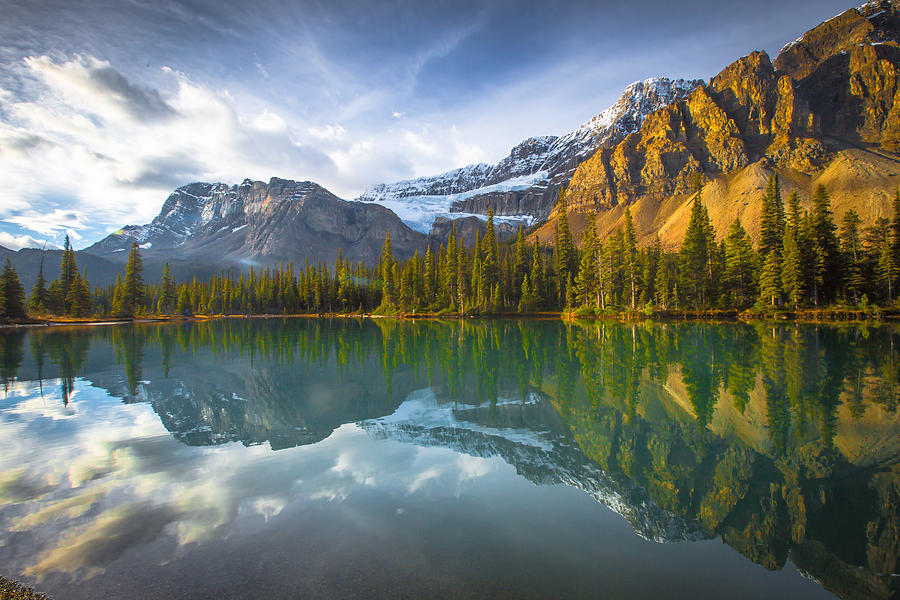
(285, 458)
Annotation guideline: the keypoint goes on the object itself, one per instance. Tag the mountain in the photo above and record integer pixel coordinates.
(210, 226)
(524, 185)
(826, 112)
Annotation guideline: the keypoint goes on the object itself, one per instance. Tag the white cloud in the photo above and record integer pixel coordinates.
(55, 222)
(269, 122)
(17, 242)
(84, 140)
(79, 140)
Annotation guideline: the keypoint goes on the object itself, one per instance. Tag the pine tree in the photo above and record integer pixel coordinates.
(586, 281)
(694, 255)
(450, 268)
(429, 278)
(79, 299)
(386, 269)
(12, 293)
(770, 279)
(740, 264)
(792, 280)
(133, 288)
(886, 266)
(827, 260)
(478, 283)
(490, 251)
(852, 254)
(55, 301)
(67, 271)
(629, 258)
(40, 296)
(650, 267)
(118, 298)
(563, 248)
(184, 301)
(496, 300)
(463, 292)
(526, 302)
(793, 212)
(522, 261)
(895, 234)
(662, 283)
(772, 220)
(538, 285)
(167, 296)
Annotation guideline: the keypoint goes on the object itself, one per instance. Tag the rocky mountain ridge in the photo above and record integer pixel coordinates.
(827, 111)
(263, 224)
(525, 183)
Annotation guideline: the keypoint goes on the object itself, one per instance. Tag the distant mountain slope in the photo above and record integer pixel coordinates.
(525, 183)
(215, 226)
(827, 111)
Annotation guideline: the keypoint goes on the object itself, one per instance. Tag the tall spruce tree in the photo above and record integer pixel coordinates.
(851, 251)
(522, 262)
(386, 269)
(167, 297)
(895, 233)
(563, 248)
(770, 280)
(538, 281)
(586, 281)
(694, 255)
(662, 283)
(133, 285)
(740, 264)
(630, 259)
(490, 251)
(770, 225)
(826, 265)
(792, 279)
(886, 266)
(67, 270)
(40, 296)
(79, 299)
(183, 307)
(430, 278)
(12, 294)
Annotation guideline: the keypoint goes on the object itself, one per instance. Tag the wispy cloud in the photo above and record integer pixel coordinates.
(55, 222)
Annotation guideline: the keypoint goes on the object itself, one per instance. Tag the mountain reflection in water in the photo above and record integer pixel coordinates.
(781, 440)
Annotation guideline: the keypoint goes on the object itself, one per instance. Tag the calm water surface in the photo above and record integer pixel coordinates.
(340, 458)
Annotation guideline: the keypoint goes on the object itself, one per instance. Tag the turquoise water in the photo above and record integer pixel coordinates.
(498, 458)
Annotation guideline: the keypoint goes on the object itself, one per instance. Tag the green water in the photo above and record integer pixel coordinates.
(498, 458)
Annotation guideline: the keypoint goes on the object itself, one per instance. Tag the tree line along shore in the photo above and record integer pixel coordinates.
(804, 266)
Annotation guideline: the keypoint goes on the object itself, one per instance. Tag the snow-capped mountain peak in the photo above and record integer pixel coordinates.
(524, 184)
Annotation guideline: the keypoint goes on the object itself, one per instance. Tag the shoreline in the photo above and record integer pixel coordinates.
(824, 315)
(13, 590)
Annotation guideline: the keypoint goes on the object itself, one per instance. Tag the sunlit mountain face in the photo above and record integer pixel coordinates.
(378, 457)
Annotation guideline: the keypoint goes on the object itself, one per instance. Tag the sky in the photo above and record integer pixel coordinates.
(106, 106)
